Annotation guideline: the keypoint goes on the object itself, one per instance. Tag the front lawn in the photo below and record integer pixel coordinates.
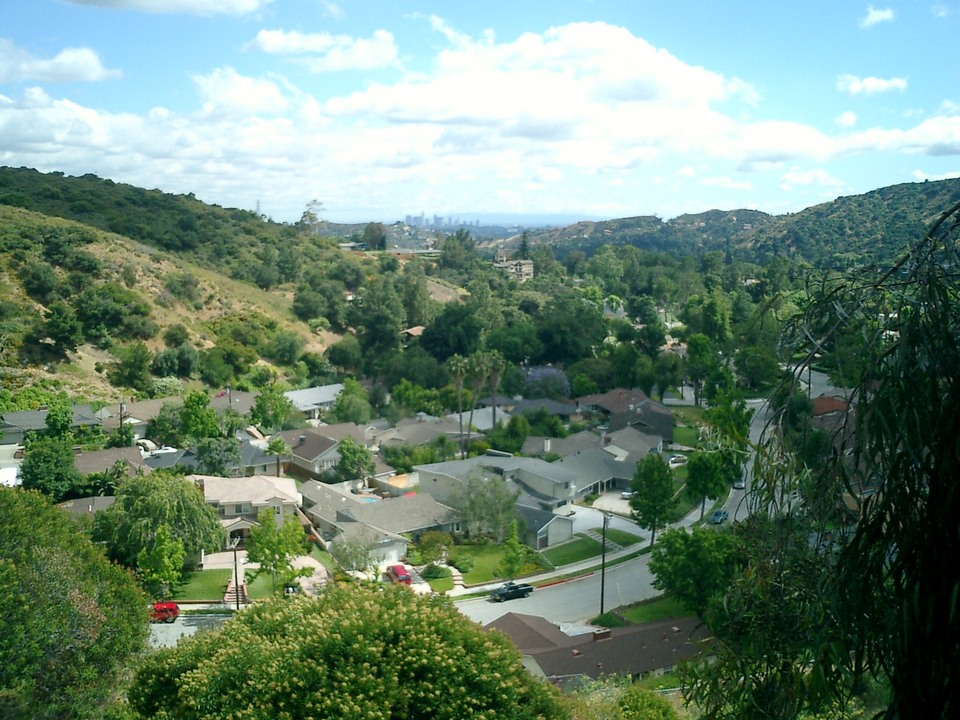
(659, 608)
(582, 548)
(622, 537)
(203, 585)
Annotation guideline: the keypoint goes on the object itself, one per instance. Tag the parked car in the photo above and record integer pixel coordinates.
(676, 461)
(398, 574)
(164, 612)
(510, 590)
(626, 494)
(718, 516)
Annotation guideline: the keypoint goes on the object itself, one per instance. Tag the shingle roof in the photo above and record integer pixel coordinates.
(314, 398)
(408, 513)
(99, 460)
(256, 489)
(623, 651)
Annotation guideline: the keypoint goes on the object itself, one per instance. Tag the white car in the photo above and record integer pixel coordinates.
(626, 494)
(740, 484)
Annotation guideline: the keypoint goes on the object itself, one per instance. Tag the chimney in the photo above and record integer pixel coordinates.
(601, 634)
(302, 440)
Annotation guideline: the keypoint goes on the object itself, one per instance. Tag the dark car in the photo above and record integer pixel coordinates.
(717, 517)
(510, 590)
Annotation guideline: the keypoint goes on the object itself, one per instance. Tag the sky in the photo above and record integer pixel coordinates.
(494, 111)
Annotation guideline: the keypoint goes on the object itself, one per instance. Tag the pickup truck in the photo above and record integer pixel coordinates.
(510, 590)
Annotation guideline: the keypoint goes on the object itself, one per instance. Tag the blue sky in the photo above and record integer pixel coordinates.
(572, 108)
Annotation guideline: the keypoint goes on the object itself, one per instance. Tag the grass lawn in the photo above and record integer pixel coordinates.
(209, 585)
(656, 609)
(485, 561)
(441, 585)
(260, 588)
(688, 436)
(622, 537)
(582, 548)
(325, 558)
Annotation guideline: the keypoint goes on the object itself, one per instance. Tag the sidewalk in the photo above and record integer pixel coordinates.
(575, 570)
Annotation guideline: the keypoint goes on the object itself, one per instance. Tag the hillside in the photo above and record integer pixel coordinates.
(871, 228)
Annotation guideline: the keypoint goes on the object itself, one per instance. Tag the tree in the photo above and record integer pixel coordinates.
(275, 546)
(352, 404)
(433, 544)
(356, 461)
(420, 658)
(132, 367)
(271, 408)
(459, 366)
(218, 456)
(668, 370)
(73, 622)
(705, 477)
(144, 504)
(48, 467)
(278, 448)
(757, 367)
(345, 353)
(160, 564)
(496, 364)
(815, 614)
(63, 328)
(701, 360)
(694, 566)
(165, 428)
(479, 363)
(375, 236)
(514, 555)
(197, 419)
(485, 505)
(652, 488)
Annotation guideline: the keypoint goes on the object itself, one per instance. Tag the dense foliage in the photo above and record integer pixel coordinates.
(352, 652)
(72, 621)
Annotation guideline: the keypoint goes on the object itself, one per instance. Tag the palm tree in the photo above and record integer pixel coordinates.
(278, 448)
(459, 366)
(496, 364)
(479, 362)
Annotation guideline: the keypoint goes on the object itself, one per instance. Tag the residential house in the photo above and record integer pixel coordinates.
(634, 652)
(544, 529)
(563, 409)
(312, 453)
(238, 401)
(482, 418)
(549, 484)
(519, 270)
(537, 446)
(86, 506)
(631, 443)
(98, 461)
(598, 471)
(650, 417)
(15, 425)
(135, 414)
(314, 401)
(239, 501)
(423, 429)
(331, 511)
(612, 402)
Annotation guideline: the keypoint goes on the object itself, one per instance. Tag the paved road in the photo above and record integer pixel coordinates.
(167, 634)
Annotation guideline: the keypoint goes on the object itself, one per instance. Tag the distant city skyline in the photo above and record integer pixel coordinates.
(534, 113)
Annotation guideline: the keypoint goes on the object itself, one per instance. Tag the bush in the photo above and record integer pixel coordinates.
(432, 572)
(463, 563)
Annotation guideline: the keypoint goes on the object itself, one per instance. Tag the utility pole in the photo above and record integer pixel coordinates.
(603, 560)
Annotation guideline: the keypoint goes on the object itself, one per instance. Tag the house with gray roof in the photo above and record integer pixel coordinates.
(314, 401)
(548, 484)
(635, 652)
(15, 425)
(98, 461)
(537, 446)
(598, 471)
(312, 453)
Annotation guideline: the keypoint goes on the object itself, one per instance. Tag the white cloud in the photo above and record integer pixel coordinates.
(225, 92)
(819, 177)
(875, 16)
(922, 175)
(195, 7)
(333, 52)
(847, 119)
(727, 183)
(69, 65)
(869, 85)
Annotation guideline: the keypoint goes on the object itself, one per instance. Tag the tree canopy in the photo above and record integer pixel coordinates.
(72, 620)
(352, 653)
(144, 504)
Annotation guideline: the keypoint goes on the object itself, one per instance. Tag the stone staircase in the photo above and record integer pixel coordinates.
(230, 597)
(598, 536)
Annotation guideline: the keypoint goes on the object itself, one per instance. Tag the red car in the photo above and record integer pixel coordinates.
(399, 574)
(164, 612)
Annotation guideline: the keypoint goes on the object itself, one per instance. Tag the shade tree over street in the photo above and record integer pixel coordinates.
(652, 498)
(419, 658)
